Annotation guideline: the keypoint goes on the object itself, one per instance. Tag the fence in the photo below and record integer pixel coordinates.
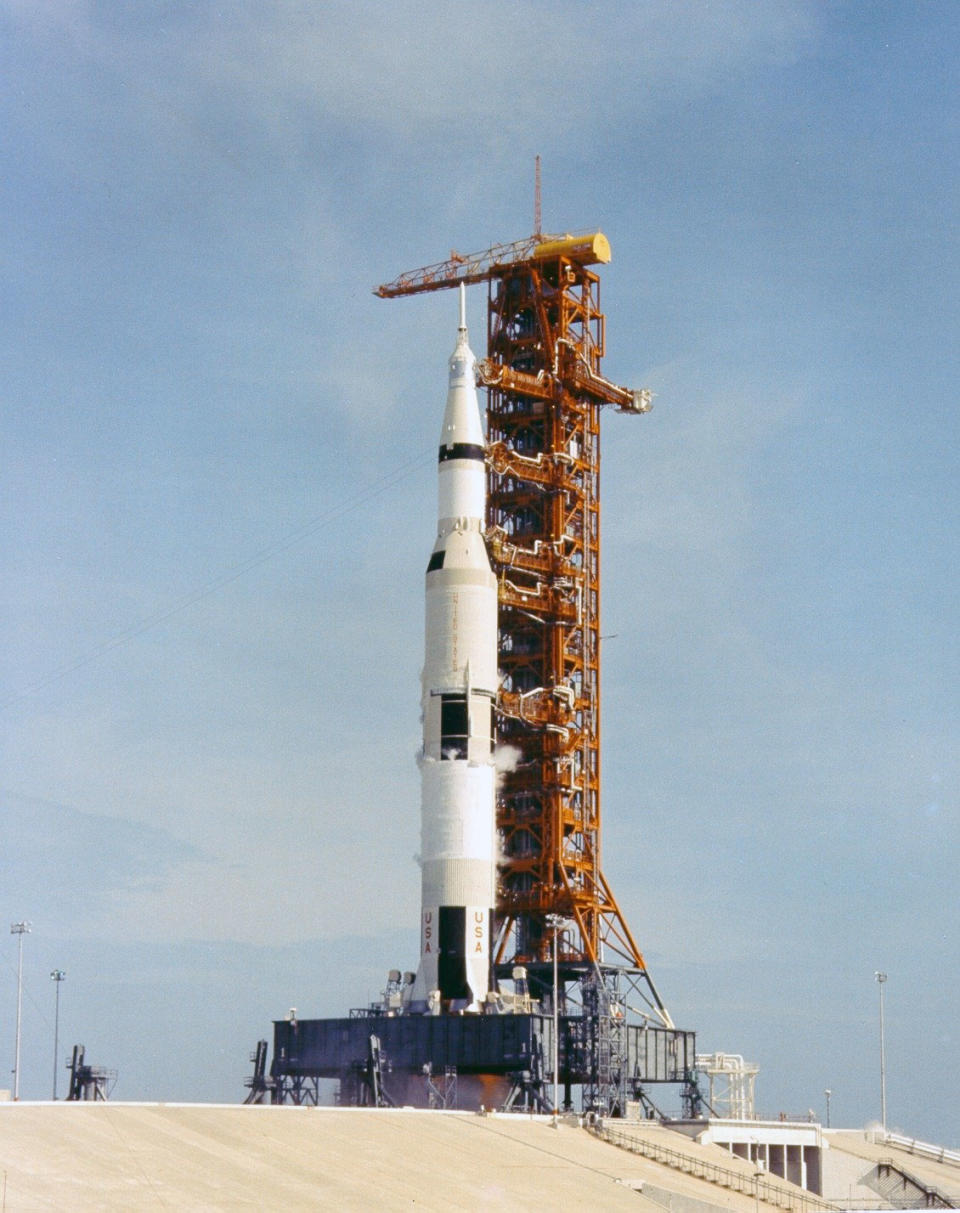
(922, 1148)
(761, 1188)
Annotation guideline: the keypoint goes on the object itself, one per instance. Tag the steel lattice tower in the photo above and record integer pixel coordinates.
(545, 393)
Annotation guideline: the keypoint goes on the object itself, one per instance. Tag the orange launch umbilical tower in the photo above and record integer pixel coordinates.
(545, 393)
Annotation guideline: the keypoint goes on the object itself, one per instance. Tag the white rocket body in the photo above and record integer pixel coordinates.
(458, 846)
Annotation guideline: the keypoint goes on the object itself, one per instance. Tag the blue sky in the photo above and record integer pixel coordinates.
(218, 498)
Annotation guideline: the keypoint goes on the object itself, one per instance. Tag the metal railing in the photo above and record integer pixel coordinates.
(700, 1168)
(922, 1148)
(852, 1204)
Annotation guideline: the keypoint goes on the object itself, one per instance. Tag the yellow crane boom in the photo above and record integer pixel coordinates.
(587, 248)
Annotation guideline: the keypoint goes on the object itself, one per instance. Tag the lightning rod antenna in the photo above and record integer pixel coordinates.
(537, 218)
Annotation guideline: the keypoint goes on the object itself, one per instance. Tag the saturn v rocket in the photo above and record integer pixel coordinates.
(458, 849)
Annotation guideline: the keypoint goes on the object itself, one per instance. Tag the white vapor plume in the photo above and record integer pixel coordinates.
(505, 760)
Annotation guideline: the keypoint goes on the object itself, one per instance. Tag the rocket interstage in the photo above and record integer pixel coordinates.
(458, 781)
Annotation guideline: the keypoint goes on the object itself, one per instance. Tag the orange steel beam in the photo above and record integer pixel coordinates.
(587, 248)
(466, 268)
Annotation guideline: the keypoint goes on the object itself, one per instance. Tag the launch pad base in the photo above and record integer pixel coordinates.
(471, 1060)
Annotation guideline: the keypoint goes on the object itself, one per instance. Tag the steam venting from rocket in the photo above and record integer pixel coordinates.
(506, 758)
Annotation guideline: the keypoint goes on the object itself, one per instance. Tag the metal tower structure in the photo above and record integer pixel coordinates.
(89, 1082)
(582, 1011)
(545, 342)
(732, 1084)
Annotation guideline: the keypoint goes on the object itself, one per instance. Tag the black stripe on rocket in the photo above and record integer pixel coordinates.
(461, 450)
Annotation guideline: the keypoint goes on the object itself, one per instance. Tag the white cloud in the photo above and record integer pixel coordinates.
(479, 74)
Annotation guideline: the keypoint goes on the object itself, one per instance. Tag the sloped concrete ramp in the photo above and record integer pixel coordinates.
(855, 1155)
(131, 1157)
(112, 1156)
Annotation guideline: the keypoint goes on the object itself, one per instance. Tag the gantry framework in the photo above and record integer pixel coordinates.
(545, 342)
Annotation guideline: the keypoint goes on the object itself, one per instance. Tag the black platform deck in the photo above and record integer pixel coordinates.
(472, 1044)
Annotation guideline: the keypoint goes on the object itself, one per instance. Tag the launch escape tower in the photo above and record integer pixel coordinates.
(560, 936)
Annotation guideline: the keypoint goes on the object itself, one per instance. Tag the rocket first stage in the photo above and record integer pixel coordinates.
(458, 846)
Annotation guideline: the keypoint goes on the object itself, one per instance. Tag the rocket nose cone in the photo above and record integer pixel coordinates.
(461, 418)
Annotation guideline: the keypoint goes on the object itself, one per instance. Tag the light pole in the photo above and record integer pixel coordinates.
(880, 979)
(555, 922)
(19, 929)
(57, 975)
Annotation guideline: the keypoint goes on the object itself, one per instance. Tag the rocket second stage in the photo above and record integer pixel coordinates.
(458, 782)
